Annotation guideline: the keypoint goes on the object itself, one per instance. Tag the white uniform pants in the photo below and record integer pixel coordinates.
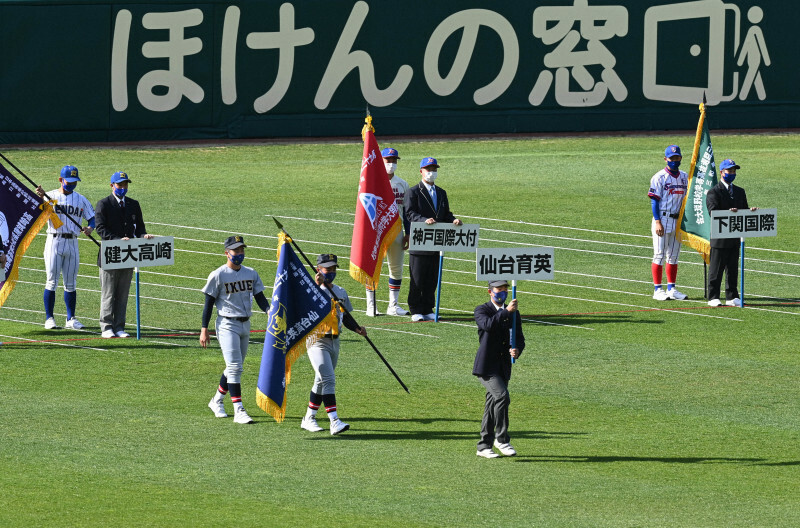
(61, 258)
(233, 337)
(666, 245)
(395, 256)
(324, 354)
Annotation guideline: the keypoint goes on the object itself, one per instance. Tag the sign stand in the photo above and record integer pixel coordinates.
(138, 308)
(741, 273)
(439, 286)
(513, 319)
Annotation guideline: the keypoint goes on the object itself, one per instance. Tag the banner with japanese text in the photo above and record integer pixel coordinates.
(261, 68)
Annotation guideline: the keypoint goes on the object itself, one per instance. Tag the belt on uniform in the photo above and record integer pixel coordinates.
(63, 235)
(331, 336)
(671, 215)
(240, 319)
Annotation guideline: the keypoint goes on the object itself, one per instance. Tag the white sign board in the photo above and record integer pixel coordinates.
(534, 263)
(744, 223)
(137, 253)
(443, 237)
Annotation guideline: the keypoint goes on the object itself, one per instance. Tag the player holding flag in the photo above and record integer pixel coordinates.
(378, 220)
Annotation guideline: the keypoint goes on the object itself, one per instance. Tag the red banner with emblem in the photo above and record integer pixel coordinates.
(378, 220)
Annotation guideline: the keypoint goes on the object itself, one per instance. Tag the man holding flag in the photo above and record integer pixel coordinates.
(377, 224)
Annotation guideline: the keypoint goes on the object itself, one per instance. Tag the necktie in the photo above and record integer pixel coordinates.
(433, 197)
(730, 190)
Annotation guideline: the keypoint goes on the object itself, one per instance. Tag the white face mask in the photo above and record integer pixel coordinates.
(390, 167)
(430, 177)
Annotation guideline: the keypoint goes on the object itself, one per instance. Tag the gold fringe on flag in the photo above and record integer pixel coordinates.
(695, 242)
(371, 281)
(13, 275)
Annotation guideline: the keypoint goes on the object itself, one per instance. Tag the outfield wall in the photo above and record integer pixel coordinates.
(123, 71)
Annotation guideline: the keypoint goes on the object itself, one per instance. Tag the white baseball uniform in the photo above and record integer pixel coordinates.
(61, 249)
(402, 192)
(324, 353)
(233, 291)
(670, 191)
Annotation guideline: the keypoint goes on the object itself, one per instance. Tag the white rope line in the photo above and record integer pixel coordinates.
(399, 331)
(43, 341)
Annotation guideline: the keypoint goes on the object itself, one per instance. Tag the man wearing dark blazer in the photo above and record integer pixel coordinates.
(725, 251)
(118, 218)
(493, 366)
(427, 203)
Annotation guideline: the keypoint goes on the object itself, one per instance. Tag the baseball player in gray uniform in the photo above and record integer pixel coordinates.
(667, 189)
(324, 353)
(396, 253)
(61, 249)
(231, 288)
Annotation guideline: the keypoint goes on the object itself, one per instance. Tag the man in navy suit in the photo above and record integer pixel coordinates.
(427, 203)
(725, 251)
(493, 367)
(118, 218)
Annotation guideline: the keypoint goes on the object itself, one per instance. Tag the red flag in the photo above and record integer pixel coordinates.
(377, 219)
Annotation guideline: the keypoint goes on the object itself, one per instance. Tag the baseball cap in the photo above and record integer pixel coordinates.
(327, 260)
(672, 150)
(70, 173)
(390, 153)
(233, 242)
(497, 283)
(427, 162)
(119, 177)
(728, 164)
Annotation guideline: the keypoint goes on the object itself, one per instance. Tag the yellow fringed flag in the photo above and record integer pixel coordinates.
(695, 229)
(22, 216)
(300, 313)
(378, 221)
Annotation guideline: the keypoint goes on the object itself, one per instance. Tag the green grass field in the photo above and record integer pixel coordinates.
(625, 411)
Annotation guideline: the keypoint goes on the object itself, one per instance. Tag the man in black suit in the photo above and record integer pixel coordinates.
(493, 366)
(427, 203)
(118, 218)
(725, 251)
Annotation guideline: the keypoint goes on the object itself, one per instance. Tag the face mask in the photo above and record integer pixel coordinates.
(728, 178)
(69, 187)
(328, 277)
(390, 167)
(430, 177)
(237, 259)
(673, 165)
(500, 297)
(120, 193)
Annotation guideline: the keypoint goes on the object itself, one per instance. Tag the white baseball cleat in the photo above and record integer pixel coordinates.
(372, 311)
(430, 317)
(108, 334)
(394, 309)
(50, 324)
(123, 334)
(676, 295)
(715, 302)
(73, 324)
(217, 407)
(505, 449)
(338, 426)
(660, 295)
(309, 423)
(417, 317)
(241, 417)
(487, 453)
(735, 302)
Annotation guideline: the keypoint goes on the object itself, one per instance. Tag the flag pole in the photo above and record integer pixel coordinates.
(280, 226)
(48, 197)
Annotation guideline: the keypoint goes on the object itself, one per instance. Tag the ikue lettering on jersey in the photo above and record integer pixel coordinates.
(238, 286)
(233, 290)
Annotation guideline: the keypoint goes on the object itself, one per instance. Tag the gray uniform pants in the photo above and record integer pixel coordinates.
(115, 285)
(495, 412)
(324, 354)
(233, 337)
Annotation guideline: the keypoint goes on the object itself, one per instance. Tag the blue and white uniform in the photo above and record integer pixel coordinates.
(61, 249)
(668, 188)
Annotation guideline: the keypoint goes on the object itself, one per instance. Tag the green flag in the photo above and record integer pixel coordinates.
(695, 227)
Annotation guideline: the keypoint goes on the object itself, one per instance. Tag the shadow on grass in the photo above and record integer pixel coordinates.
(665, 460)
(564, 319)
(361, 433)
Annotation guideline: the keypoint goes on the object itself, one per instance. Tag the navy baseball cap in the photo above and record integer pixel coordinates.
(390, 153)
(427, 162)
(672, 150)
(326, 260)
(497, 283)
(119, 177)
(728, 164)
(70, 173)
(233, 242)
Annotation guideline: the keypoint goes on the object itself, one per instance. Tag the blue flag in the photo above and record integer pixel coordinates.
(299, 314)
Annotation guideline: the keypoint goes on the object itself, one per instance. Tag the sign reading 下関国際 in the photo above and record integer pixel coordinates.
(744, 223)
